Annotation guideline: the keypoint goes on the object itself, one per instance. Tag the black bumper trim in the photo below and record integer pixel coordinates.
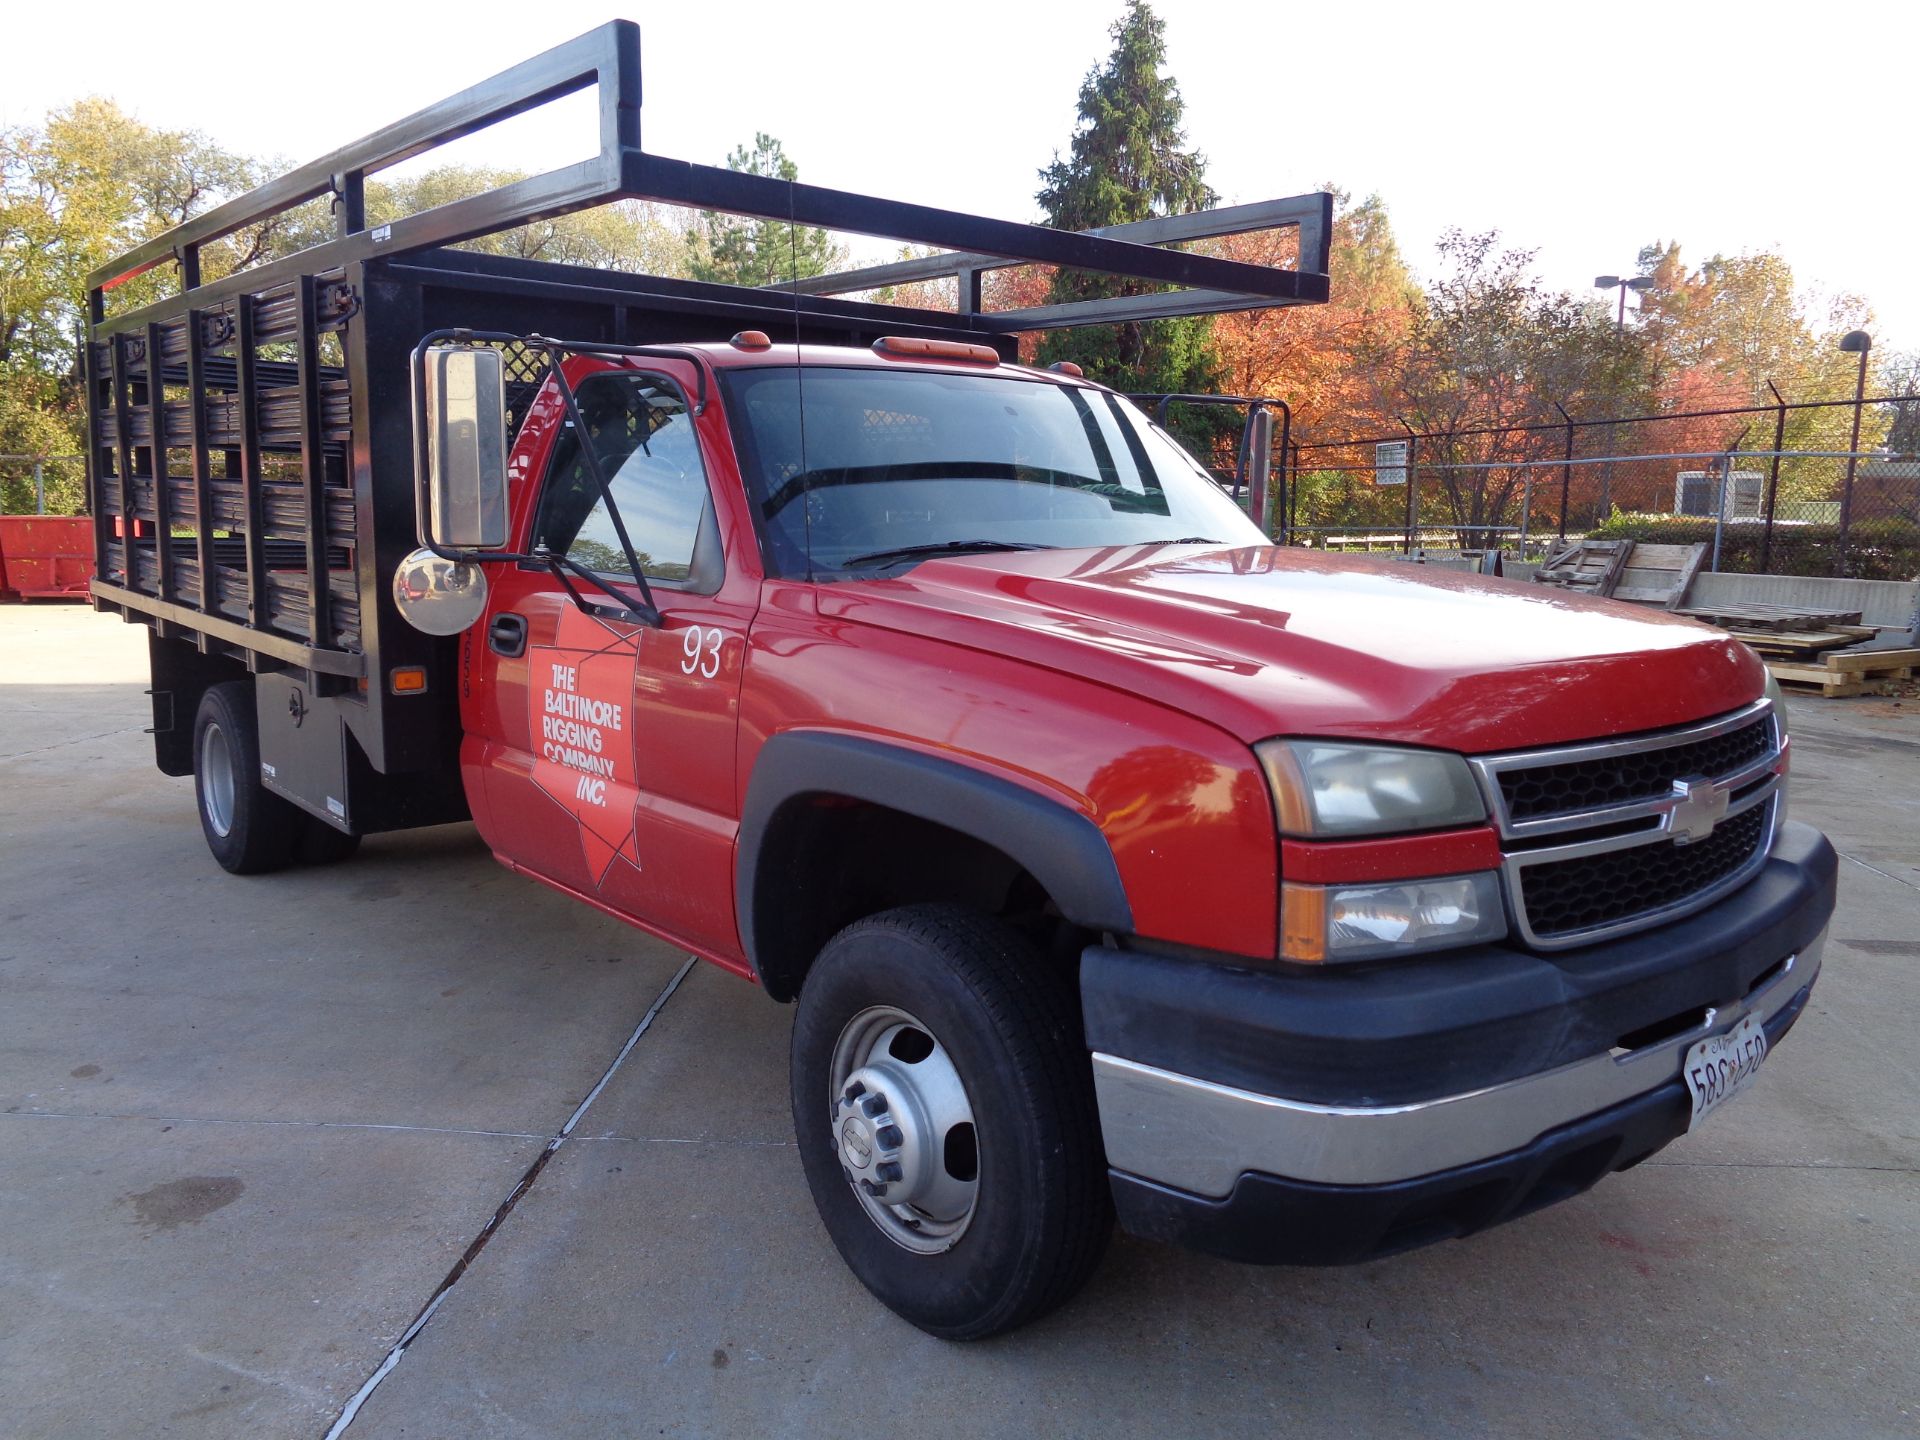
(1457, 1021)
(1272, 1220)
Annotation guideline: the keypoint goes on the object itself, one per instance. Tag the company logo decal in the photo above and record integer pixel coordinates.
(580, 716)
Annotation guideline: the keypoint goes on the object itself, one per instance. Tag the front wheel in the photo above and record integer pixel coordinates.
(943, 1103)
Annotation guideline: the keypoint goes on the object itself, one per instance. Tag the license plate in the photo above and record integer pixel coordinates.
(1721, 1066)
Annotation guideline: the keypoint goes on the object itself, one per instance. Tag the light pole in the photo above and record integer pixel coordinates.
(1854, 342)
(1639, 284)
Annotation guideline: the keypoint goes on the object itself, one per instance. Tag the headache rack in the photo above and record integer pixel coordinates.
(249, 439)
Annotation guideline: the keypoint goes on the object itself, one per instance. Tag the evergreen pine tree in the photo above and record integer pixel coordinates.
(737, 251)
(1128, 162)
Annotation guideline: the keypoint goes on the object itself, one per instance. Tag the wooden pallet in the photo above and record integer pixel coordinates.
(1772, 619)
(1591, 567)
(1857, 672)
(1659, 574)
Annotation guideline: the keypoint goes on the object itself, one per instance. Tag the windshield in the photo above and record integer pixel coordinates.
(882, 467)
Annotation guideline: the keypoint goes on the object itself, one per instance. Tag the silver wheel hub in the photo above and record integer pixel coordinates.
(903, 1130)
(216, 779)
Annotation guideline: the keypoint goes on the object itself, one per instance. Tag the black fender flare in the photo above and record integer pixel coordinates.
(1060, 847)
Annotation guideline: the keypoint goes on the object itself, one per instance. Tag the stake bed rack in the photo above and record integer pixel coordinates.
(250, 445)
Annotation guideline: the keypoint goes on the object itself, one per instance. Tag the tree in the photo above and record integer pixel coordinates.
(737, 251)
(631, 235)
(1127, 161)
(1900, 381)
(1316, 356)
(1487, 364)
(90, 184)
(1716, 335)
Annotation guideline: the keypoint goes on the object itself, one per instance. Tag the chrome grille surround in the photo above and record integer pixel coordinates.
(1661, 820)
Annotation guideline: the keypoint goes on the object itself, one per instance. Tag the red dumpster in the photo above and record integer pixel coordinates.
(45, 557)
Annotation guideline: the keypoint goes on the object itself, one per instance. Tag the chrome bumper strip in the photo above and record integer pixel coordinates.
(1199, 1136)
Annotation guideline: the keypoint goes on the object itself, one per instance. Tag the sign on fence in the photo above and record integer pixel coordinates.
(1390, 462)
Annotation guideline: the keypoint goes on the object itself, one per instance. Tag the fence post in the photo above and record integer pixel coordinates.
(39, 486)
(1721, 494)
(1413, 484)
(1566, 469)
(1773, 476)
(1293, 495)
(1853, 458)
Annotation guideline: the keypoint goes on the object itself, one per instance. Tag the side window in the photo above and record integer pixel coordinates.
(643, 436)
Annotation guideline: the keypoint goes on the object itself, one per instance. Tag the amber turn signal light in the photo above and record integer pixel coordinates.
(407, 679)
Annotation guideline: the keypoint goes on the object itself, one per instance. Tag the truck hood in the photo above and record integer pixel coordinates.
(1266, 640)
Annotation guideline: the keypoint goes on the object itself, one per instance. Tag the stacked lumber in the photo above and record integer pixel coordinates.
(1804, 646)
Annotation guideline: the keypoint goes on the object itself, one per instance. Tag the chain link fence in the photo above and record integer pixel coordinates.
(1821, 488)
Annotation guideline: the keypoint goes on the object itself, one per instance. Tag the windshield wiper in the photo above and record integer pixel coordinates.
(938, 547)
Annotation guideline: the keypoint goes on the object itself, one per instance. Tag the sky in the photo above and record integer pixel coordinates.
(1582, 132)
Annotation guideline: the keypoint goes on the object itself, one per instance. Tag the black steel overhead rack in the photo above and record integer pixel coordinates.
(284, 385)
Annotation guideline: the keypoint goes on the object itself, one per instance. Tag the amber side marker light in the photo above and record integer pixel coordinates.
(1303, 923)
(752, 340)
(913, 348)
(407, 679)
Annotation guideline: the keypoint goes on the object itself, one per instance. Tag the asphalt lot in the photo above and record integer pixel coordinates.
(247, 1128)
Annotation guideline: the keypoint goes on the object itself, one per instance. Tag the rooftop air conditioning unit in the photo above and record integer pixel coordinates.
(1693, 494)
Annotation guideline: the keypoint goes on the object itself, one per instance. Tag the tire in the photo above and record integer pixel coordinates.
(249, 829)
(924, 995)
(321, 844)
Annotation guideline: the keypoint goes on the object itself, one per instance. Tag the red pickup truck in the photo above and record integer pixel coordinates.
(1296, 908)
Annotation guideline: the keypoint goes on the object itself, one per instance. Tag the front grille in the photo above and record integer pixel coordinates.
(1565, 897)
(1545, 790)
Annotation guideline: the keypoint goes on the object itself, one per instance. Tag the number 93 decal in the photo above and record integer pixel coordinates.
(700, 652)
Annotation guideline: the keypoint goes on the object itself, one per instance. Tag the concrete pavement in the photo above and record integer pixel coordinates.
(248, 1127)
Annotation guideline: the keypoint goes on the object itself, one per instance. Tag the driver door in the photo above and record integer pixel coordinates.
(606, 748)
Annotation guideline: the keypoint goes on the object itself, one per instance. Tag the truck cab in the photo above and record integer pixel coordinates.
(1116, 859)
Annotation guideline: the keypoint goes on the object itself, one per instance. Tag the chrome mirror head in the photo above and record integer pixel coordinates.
(438, 596)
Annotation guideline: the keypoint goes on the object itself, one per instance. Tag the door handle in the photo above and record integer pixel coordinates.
(508, 634)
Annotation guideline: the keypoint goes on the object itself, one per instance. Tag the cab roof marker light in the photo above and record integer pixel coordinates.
(1067, 367)
(751, 340)
(912, 347)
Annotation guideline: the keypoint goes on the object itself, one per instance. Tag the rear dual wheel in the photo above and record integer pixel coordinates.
(943, 1103)
(249, 829)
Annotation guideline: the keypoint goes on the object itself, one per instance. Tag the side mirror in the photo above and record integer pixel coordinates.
(463, 407)
(1259, 463)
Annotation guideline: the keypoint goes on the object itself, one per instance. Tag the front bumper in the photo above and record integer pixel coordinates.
(1420, 1123)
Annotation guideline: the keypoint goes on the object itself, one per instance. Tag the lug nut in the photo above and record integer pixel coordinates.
(890, 1137)
(875, 1104)
(872, 1189)
(889, 1171)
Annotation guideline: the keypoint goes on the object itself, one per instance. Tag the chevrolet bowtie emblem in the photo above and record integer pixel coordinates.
(1698, 806)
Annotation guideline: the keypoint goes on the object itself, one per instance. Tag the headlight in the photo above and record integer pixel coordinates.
(1326, 924)
(1779, 699)
(1773, 693)
(1328, 791)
